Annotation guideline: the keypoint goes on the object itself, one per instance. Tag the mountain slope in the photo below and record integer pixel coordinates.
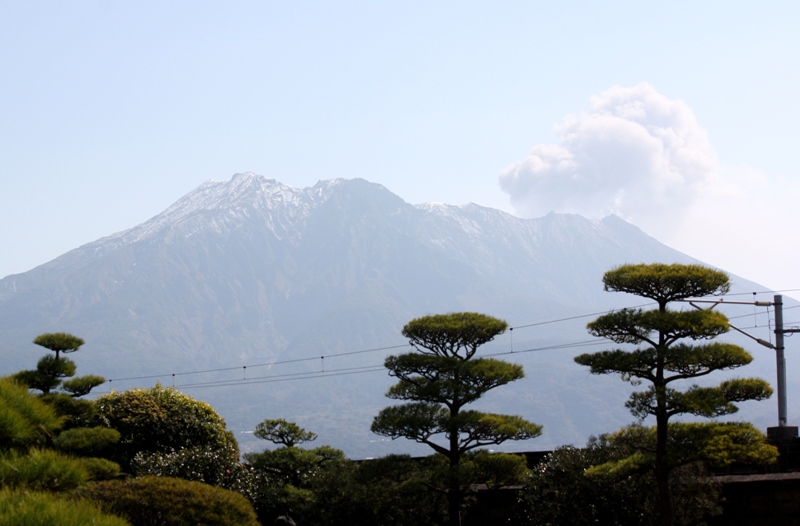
(252, 272)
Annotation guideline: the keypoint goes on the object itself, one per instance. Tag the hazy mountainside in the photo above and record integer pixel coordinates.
(252, 272)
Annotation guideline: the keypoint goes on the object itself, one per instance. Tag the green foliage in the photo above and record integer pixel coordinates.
(421, 421)
(27, 421)
(410, 488)
(59, 342)
(51, 370)
(638, 326)
(729, 443)
(442, 379)
(217, 466)
(82, 385)
(289, 478)
(664, 360)
(454, 333)
(56, 367)
(560, 492)
(165, 501)
(715, 444)
(483, 429)
(399, 490)
(409, 476)
(33, 379)
(700, 401)
(666, 283)
(76, 412)
(497, 470)
(24, 419)
(41, 470)
(159, 420)
(685, 361)
(321, 487)
(86, 441)
(294, 465)
(390, 491)
(99, 468)
(28, 508)
(280, 431)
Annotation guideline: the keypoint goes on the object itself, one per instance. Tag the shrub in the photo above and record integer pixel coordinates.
(100, 468)
(25, 508)
(159, 420)
(77, 412)
(86, 440)
(211, 465)
(390, 491)
(288, 479)
(165, 501)
(560, 492)
(43, 470)
(24, 419)
(294, 465)
(35, 379)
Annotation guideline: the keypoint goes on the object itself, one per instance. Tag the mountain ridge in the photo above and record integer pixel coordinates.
(251, 271)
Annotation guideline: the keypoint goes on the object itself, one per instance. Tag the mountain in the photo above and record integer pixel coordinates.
(274, 283)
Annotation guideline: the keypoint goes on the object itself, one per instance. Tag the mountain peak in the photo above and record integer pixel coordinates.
(253, 271)
(216, 205)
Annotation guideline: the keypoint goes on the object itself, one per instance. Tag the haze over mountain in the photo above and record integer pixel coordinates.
(319, 281)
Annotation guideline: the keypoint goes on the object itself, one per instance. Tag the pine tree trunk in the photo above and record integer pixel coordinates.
(454, 506)
(662, 473)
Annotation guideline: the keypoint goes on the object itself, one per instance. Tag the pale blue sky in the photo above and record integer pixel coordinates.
(111, 111)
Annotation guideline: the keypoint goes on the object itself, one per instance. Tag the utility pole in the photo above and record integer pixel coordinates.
(783, 431)
(780, 359)
(783, 436)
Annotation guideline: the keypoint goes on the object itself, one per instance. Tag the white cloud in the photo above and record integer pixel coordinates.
(636, 153)
(644, 157)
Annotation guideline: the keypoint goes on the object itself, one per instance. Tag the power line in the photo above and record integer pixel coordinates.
(577, 317)
(385, 348)
(759, 292)
(295, 360)
(311, 375)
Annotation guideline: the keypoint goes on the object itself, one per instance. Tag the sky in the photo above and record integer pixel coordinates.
(680, 117)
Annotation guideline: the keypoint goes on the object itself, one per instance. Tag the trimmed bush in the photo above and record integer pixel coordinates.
(26, 508)
(165, 501)
(24, 419)
(211, 465)
(159, 420)
(100, 468)
(77, 412)
(86, 440)
(42, 470)
(559, 491)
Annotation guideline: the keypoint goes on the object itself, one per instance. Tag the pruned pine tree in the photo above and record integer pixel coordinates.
(280, 431)
(52, 371)
(59, 342)
(438, 381)
(663, 357)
